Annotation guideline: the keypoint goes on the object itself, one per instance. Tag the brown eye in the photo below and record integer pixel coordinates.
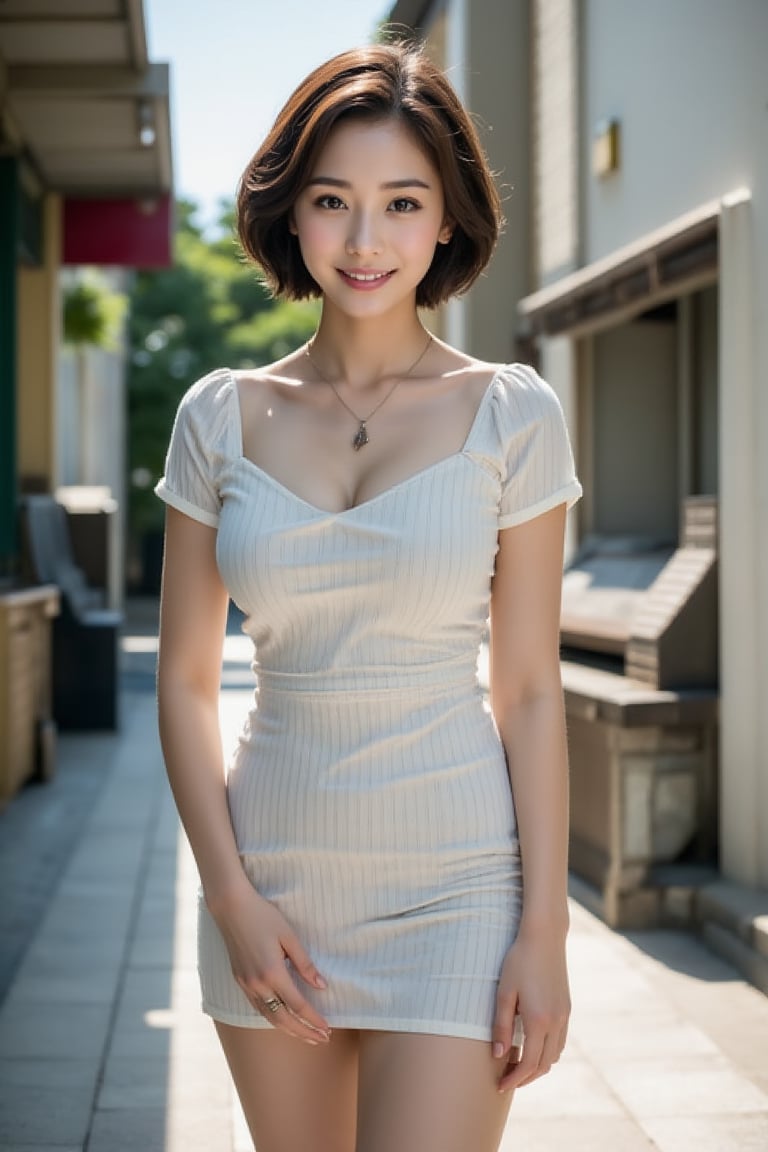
(334, 203)
(404, 204)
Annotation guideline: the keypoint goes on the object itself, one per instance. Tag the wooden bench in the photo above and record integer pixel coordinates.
(85, 634)
(27, 729)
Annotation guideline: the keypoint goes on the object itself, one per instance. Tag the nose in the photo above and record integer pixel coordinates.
(362, 236)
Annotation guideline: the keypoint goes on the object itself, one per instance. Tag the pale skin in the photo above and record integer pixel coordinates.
(303, 1085)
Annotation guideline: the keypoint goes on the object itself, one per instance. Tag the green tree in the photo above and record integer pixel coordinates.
(92, 317)
(208, 310)
(92, 314)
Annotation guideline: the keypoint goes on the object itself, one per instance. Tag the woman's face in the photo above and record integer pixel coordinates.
(370, 217)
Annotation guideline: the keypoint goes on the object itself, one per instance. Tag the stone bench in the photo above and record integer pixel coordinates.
(643, 788)
(639, 632)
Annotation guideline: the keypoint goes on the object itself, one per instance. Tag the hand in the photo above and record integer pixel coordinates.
(259, 941)
(533, 985)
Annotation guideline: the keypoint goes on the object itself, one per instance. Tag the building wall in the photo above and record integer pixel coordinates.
(554, 122)
(487, 60)
(635, 431)
(498, 94)
(91, 431)
(39, 325)
(687, 82)
(553, 181)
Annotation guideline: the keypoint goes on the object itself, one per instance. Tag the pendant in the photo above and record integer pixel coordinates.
(361, 438)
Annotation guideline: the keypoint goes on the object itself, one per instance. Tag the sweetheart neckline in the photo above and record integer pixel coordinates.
(391, 490)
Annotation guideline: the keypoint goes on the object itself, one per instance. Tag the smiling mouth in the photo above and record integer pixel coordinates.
(365, 277)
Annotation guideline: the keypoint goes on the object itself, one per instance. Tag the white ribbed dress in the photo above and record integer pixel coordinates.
(369, 791)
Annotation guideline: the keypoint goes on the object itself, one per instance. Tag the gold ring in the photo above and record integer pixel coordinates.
(274, 1003)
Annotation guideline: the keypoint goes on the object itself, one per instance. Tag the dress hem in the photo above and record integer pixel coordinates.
(363, 1023)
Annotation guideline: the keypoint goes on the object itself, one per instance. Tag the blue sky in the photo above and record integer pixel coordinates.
(233, 64)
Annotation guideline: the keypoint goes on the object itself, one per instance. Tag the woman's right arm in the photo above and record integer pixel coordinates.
(193, 610)
(193, 614)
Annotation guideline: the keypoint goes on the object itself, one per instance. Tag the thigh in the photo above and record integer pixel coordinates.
(420, 1093)
(296, 1097)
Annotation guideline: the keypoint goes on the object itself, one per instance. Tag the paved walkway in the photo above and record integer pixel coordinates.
(103, 1048)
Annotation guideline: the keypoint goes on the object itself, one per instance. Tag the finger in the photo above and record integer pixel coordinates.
(273, 1004)
(502, 1033)
(282, 985)
(284, 1016)
(301, 961)
(552, 1050)
(549, 1056)
(280, 1016)
(518, 1036)
(303, 1011)
(277, 1013)
(521, 1072)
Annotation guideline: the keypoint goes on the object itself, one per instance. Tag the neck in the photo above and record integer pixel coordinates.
(362, 353)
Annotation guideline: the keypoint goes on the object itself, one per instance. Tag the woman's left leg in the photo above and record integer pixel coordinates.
(422, 1093)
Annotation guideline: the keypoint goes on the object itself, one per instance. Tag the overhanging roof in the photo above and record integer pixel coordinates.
(678, 258)
(76, 89)
(412, 13)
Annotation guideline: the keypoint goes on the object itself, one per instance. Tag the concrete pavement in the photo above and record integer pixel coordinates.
(103, 1047)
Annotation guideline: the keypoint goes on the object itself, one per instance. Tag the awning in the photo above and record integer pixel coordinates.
(80, 103)
(679, 258)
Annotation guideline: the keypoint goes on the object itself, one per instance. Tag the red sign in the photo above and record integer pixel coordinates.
(129, 233)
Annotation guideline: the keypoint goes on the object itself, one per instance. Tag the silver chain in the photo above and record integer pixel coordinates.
(361, 437)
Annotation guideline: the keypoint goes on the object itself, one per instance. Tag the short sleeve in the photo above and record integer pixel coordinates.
(539, 472)
(201, 436)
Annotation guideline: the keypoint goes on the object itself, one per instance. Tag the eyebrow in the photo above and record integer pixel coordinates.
(331, 181)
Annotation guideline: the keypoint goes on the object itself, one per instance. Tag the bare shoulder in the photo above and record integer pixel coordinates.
(468, 371)
(271, 380)
(290, 367)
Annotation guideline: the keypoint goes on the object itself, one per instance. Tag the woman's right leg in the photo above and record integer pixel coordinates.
(296, 1097)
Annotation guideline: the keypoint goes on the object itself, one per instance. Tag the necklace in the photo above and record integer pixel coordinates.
(361, 436)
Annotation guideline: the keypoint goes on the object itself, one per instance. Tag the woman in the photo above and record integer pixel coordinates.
(375, 909)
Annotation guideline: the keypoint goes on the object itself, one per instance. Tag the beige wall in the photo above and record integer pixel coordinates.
(553, 208)
(497, 92)
(554, 122)
(686, 80)
(485, 52)
(39, 325)
(635, 432)
(687, 83)
(743, 427)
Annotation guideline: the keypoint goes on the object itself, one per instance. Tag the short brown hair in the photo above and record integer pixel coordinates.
(376, 82)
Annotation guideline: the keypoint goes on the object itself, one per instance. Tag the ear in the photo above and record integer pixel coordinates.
(445, 235)
(292, 225)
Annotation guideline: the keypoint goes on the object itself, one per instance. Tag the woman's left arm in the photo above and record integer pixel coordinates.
(527, 704)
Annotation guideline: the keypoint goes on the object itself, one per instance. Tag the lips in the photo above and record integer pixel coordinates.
(366, 275)
(364, 279)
